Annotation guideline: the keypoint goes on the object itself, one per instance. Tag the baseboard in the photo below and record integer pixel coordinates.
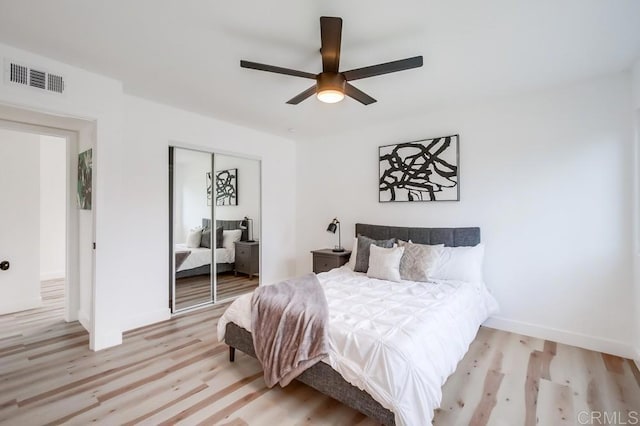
(593, 343)
(145, 318)
(84, 320)
(21, 305)
(54, 275)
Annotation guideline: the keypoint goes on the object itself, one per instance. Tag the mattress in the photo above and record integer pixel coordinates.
(397, 341)
(201, 256)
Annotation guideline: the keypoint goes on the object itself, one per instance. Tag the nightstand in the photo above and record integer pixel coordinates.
(326, 259)
(247, 258)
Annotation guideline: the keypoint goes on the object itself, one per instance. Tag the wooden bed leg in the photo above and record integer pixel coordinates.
(232, 354)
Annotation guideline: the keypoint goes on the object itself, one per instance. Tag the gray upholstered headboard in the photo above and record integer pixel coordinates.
(450, 237)
(228, 225)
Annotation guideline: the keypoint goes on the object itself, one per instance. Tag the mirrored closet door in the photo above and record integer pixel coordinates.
(215, 224)
(192, 210)
(237, 211)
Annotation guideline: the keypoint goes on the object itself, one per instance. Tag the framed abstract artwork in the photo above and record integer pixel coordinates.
(85, 171)
(227, 187)
(424, 170)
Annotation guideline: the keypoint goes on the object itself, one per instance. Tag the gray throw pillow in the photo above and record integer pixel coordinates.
(362, 255)
(205, 239)
(219, 234)
(419, 261)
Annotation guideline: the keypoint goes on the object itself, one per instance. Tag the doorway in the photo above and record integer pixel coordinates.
(39, 226)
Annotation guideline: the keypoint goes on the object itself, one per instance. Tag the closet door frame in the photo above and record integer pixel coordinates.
(214, 272)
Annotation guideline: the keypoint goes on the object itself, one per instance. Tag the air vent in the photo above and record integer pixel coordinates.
(36, 78)
(55, 83)
(18, 74)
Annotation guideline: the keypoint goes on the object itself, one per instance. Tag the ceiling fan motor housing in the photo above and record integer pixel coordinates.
(330, 81)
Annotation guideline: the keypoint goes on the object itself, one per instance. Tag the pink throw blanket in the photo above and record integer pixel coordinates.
(289, 323)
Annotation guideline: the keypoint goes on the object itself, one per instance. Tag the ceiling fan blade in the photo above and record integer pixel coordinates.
(331, 38)
(302, 96)
(277, 70)
(358, 94)
(386, 68)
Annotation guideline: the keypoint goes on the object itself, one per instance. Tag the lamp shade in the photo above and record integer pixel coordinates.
(332, 227)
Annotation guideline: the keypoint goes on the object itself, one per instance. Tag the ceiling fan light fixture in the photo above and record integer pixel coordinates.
(330, 87)
(330, 96)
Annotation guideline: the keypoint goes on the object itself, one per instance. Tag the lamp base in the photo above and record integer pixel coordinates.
(251, 241)
(338, 249)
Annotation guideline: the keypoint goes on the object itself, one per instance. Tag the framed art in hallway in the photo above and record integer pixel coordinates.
(423, 170)
(85, 170)
(227, 187)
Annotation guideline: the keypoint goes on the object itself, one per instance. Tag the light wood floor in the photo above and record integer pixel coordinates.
(192, 291)
(176, 372)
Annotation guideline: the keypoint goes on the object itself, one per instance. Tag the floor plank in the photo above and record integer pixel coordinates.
(193, 291)
(175, 372)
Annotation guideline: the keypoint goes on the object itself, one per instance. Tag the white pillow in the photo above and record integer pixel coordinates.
(460, 264)
(193, 237)
(354, 254)
(231, 237)
(384, 263)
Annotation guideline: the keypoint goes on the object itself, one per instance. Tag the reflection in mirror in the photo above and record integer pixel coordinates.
(192, 207)
(236, 191)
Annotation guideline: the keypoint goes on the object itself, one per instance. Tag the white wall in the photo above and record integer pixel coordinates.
(53, 197)
(248, 191)
(547, 177)
(19, 220)
(97, 99)
(190, 191)
(130, 199)
(149, 129)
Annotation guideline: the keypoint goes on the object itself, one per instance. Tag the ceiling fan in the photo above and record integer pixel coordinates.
(331, 84)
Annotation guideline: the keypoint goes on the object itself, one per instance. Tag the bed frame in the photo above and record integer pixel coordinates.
(321, 376)
(220, 267)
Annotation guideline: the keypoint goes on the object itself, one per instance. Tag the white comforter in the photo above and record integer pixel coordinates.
(201, 256)
(397, 341)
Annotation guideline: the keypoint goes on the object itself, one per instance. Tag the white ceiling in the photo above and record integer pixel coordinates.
(187, 53)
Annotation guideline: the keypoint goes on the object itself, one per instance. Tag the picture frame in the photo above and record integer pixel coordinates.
(227, 187)
(85, 178)
(420, 171)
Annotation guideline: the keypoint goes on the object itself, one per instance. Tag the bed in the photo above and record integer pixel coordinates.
(198, 260)
(393, 345)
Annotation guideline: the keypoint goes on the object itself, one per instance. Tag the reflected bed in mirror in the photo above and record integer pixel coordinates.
(193, 265)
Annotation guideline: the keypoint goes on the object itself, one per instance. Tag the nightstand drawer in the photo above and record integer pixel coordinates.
(324, 263)
(325, 260)
(243, 253)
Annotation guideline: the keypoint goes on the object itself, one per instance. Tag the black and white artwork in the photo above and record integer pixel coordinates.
(227, 187)
(425, 170)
